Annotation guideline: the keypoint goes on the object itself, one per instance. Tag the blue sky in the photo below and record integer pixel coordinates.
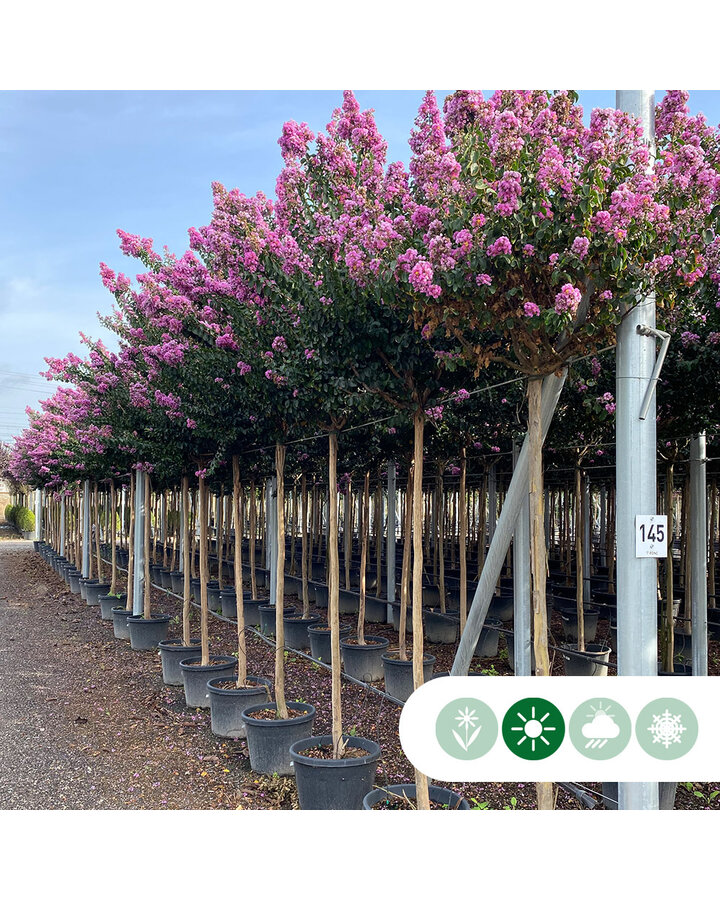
(75, 166)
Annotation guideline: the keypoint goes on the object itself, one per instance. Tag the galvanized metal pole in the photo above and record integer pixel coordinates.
(139, 545)
(697, 539)
(390, 538)
(86, 530)
(521, 586)
(603, 525)
(587, 541)
(636, 482)
(38, 514)
(516, 495)
(492, 503)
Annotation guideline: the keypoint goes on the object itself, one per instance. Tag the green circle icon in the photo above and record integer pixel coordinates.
(466, 728)
(666, 728)
(533, 728)
(600, 728)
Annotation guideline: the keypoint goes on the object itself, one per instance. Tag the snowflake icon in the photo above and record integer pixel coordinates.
(667, 729)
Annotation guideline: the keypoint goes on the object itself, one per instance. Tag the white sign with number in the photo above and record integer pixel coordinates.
(651, 536)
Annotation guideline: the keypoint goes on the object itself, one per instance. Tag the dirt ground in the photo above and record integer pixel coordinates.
(87, 723)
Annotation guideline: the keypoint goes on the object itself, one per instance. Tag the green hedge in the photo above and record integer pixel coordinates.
(10, 511)
(24, 519)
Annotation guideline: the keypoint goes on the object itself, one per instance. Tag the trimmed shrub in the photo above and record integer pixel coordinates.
(24, 519)
(10, 513)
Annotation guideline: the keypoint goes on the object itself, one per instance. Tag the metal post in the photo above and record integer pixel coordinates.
(603, 525)
(521, 585)
(636, 482)
(697, 539)
(271, 535)
(587, 542)
(139, 544)
(86, 537)
(492, 503)
(38, 514)
(62, 525)
(390, 545)
(163, 517)
(516, 494)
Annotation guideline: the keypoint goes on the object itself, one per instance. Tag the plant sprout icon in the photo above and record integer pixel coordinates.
(532, 729)
(468, 719)
(601, 729)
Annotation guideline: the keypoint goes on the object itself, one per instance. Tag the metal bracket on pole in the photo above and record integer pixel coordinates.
(647, 331)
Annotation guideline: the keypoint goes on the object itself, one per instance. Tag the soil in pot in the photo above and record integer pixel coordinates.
(227, 702)
(399, 674)
(403, 796)
(196, 677)
(172, 652)
(327, 783)
(269, 739)
(589, 664)
(146, 634)
(364, 661)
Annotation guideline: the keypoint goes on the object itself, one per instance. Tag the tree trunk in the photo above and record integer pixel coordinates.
(204, 571)
(186, 558)
(282, 712)
(347, 532)
(113, 538)
(441, 533)
(363, 558)
(378, 537)
(579, 561)
(418, 652)
(462, 500)
(237, 513)
(96, 498)
(667, 632)
(219, 535)
(146, 543)
(713, 529)
(334, 598)
(482, 524)
(405, 571)
(304, 545)
(131, 542)
(253, 532)
(544, 790)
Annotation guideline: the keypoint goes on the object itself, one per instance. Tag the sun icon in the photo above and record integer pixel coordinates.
(533, 728)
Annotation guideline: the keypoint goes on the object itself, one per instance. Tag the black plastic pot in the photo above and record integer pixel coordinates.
(108, 602)
(439, 627)
(228, 603)
(502, 607)
(213, 594)
(334, 783)
(378, 798)
(570, 623)
(172, 652)
(146, 634)
(682, 647)
(348, 602)
(94, 591)
(320, 640)
(399, 674)
(166, 579)
(227, 704)
(396, 618)
(267, 617)
(589, 664)
(195, 678)
(296, 631)
(375, 610)
(678, 669)
(488, 643)
(364, 661)
(321, 595)
(120, 618)
(177, 582)
(269, 740)
(251, 609)
(84, 582)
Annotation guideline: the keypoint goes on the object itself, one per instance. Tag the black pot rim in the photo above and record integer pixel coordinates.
(194, 668)
(324, 629)
(308, 708)
(325, 740)
(154, 617)
(372, 642)
(121, 611)
(175, 645)
(601, 651)
(311, 620)
(262, 683)
(398, 789)
(427, 658)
